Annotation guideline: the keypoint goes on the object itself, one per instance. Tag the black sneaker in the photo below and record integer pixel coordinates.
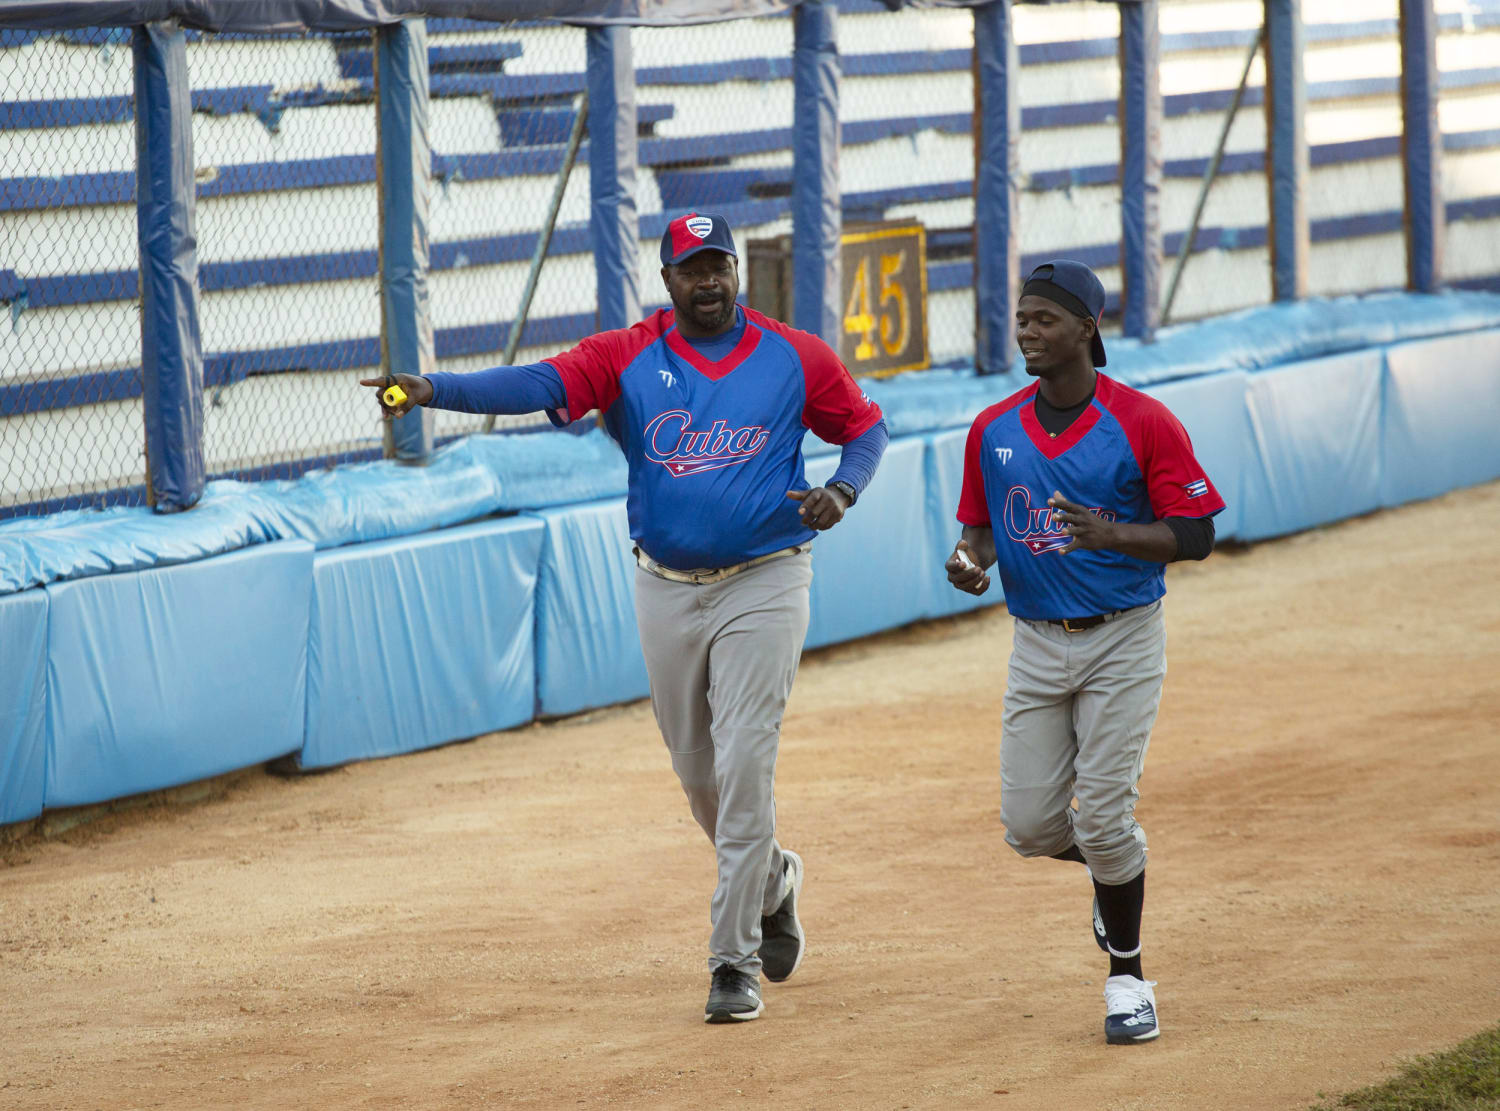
(781, 940)
(733, 996)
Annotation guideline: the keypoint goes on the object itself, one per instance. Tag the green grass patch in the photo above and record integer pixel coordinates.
(1464, 1078)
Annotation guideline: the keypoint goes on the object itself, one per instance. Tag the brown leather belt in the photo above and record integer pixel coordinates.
(1083, 624)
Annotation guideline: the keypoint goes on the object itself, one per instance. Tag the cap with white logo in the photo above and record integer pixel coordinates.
(687, 235)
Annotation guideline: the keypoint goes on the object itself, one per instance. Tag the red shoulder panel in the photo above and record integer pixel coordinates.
(836, 409)
(972, 507)
(590, 372)
(1175, 481)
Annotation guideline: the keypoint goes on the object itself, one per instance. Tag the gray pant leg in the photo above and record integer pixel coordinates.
(1114, 710)
(1038, 746)
(722, 724)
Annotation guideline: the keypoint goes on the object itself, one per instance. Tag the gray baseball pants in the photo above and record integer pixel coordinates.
(721, 658)
(1078, 714)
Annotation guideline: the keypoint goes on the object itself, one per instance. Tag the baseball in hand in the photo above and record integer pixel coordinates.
(963, 557)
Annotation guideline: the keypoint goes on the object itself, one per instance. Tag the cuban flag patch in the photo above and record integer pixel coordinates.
(1197, 488)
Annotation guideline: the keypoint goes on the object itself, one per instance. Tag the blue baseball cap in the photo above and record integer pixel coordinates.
(1076, 288)
(687, 235)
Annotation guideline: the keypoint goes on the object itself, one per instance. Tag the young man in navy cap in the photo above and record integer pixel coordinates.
(709, 401)
(1081, 490)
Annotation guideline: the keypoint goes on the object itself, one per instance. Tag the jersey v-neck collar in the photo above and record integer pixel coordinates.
(1053, 446)
(709, 368)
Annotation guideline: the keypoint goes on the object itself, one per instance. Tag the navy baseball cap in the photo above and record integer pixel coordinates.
(687, 235)
(1076, 288)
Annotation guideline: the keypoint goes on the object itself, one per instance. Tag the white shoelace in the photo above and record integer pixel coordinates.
(1125, 995)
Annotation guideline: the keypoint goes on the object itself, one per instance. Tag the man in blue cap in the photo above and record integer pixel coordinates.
(710, 401)
(1080, 490)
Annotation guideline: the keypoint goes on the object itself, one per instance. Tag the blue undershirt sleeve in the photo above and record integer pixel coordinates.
(861, 456)
(501, 389)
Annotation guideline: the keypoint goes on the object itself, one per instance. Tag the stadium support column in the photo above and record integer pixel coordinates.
(405, 170)
(817, 212)
(1286, 158)
(166, 222)
(1422, 146)
(1140, 167)
(997, 152)
(613, 224)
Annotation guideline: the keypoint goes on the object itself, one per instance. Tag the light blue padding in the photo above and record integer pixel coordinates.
(1441, 399)
(1212, 409)
(422, 640)
(165, 676)
(588, 652)
(1315, 444)
(23, 704)
(945, 481)
(875, 569)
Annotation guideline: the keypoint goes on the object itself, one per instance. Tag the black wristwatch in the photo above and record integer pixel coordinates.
(844, 488)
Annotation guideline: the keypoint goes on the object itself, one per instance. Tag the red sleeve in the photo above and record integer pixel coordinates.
(836, 409)
(973, 509)
(1175, 481)
(591, 371)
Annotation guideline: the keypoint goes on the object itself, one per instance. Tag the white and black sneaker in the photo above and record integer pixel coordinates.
(733, 996)
(1129, 1010)
(782, 942)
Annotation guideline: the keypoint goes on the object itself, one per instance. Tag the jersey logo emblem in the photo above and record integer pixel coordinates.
(1035, 527)
(1197, 488)
(666, 376)
(1003, 454)
(670, 442)
(700, 226)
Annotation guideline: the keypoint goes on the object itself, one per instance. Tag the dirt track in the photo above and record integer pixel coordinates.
(521, 921)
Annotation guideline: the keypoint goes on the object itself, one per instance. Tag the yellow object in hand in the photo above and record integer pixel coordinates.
(393, 397)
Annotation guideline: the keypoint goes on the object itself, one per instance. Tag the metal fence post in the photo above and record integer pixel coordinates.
(1286, 161)
(614, 226)
(817, 210)
(405, 171)
(997, 152)
(166, 223)
(1421, 147)
(1140, 166)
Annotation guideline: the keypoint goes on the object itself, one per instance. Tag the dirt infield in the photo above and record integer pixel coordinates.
(521, 921)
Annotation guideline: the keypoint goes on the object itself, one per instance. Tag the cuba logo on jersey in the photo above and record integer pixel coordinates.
(671, 442)
(1034, 527)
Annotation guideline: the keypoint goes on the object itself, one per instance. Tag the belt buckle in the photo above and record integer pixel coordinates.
(1067, 627)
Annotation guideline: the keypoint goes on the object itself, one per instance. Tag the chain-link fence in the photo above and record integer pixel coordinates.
(284, 135)
(1468, 57)
(1070, 139)
(1355, 189)
(504, 105)
(70, 330)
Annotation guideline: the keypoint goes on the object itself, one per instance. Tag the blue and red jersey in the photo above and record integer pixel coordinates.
(714, 446)
(1126, 458)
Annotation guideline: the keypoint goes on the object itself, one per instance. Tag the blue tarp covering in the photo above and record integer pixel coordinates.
(166, 676)
(1315, 444)
(588, 652)
(422, 640)
(1442, 398)
(1212, 409)
(881, 542)
(23, 704)
(945, 481)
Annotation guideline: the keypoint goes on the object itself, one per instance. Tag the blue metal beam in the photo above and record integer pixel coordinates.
(614, 224)
(997, 239)
(817, 220)
(1286, 135)
(171, 343)
(403, 163)
(1422, 146)
(1140, 166)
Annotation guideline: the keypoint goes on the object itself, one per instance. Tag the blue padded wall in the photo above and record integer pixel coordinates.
(945, 481)
(422, 640)
(874, 570)
(1315, 444)
(173, 674)
(23, 704)
(1442, 396)
(588, 652)
(1212, 409)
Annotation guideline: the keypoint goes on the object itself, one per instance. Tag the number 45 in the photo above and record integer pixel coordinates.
(894, 323)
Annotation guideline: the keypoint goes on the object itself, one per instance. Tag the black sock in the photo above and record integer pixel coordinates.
(1120, 907)
(1070, 853)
